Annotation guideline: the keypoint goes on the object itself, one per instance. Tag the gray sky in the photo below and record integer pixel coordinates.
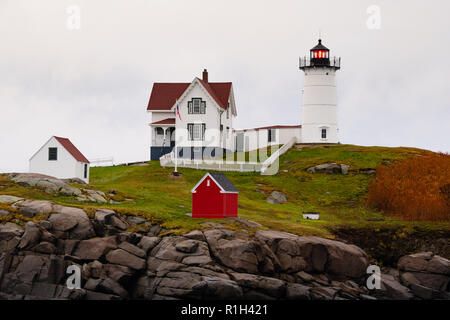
(92, 85)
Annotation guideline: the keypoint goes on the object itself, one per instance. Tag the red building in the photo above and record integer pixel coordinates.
(214, 196)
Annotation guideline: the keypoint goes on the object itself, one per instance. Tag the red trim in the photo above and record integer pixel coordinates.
(165, 121)
(269, 127)
(68, 145)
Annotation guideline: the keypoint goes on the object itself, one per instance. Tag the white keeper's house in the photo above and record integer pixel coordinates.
(198, 116)
(59, 158)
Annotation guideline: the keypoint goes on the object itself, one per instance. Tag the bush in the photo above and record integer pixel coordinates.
(417, 188)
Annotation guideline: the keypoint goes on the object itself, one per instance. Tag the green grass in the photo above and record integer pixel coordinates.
(338, 198)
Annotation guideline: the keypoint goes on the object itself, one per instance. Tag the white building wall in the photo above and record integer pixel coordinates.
(65, 167)
(257, 139)
(210, 119)
(319, 106)
(80, 171)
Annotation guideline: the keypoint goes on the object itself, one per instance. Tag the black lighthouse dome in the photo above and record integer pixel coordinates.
(319, 56)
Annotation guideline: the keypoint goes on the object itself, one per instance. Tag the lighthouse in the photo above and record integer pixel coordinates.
(319, 98)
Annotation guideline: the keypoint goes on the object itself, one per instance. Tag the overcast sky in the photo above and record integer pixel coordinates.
(92, 84)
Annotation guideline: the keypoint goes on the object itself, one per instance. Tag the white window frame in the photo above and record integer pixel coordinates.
(196, 131)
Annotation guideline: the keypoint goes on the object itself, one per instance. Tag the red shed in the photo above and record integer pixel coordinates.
(214, 196)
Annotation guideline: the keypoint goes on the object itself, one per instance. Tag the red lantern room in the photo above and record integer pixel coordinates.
(319, 56)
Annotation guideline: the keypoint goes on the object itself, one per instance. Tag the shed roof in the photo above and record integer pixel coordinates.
(68, 145)
(221, 180)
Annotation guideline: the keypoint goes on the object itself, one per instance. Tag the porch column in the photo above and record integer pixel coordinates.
(164, 137)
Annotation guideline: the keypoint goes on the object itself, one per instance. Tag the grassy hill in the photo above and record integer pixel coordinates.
(340, 199)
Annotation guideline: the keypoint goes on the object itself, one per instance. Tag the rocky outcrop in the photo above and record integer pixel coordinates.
(425, 274)
(330, 168)
(55, 186)
(209, 264)
(276, 197)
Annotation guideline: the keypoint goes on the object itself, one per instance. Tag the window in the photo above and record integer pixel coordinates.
(271, 136)
(228, 131)
(85, 170)
(196, 131)
(52, 154)
(196, 106)
(324, 133)
(228, 111)
(159, 131)
(208, 183)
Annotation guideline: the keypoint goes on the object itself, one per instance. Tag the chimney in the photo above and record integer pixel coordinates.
(205, 75)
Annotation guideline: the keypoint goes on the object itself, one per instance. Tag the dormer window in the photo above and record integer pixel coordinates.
(52, 154)
(196, 106)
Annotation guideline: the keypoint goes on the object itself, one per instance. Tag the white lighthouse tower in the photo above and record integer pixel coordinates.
(319, 98)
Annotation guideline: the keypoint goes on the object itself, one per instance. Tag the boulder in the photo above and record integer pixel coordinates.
(49, 184)
(188, 246)
(273, 287)
(31, 236)
(31, 208)
(106, 222)
(323, 293)
(276, 197)
(135, 221)
(438, 265)
(121, 274)
(393, 289)
(10, 230)
(434, 281)
(237, 254)
(197, 260)
(213, 288)
(414, 262)
(148, 243)
(72, 223)
(45, 247)
(108, 285)
(132, 249)
(167, 249)
(124, 258)
(94, 249)
(329, 168)
(295, 291)
(9, 199)
(195, 235)
(317, 254)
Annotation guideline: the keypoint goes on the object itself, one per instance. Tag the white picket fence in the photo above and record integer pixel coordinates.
(102, 162)
(268, 164)
(168, 160)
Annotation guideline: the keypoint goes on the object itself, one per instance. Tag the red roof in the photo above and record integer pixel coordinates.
(165, 121)
(164, 95)
(68, 145)
(270, 127)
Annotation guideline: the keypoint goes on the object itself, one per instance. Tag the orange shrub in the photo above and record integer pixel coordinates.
(417, 188)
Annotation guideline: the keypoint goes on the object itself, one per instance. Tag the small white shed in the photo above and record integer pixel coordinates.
(59, 158)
